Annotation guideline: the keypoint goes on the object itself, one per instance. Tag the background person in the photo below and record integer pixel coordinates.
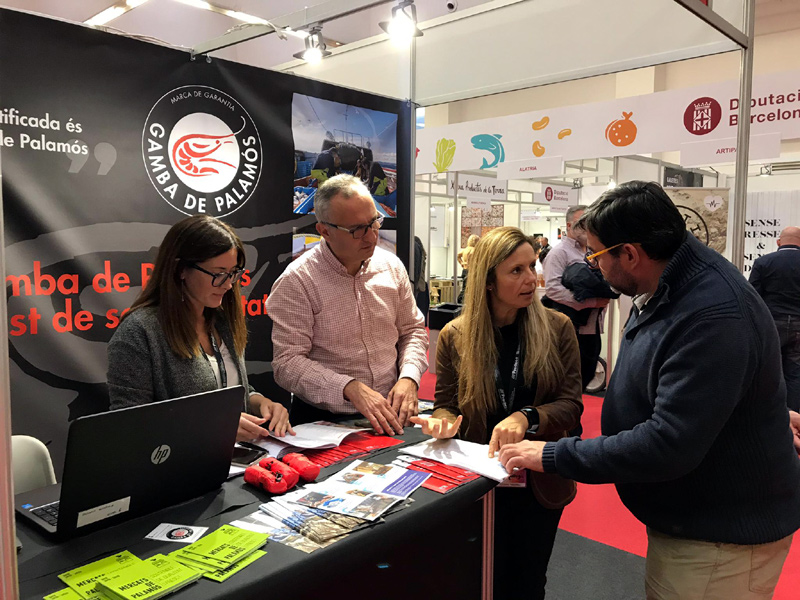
(588, 316)
(186, 332)
(463, 257)
(695, 431)
(776, 277)
(347, 335)
(505, 368)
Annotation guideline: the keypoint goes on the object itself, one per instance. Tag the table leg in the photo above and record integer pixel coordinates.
(488, 545)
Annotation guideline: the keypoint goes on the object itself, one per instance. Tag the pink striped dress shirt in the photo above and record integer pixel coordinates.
(330, 327)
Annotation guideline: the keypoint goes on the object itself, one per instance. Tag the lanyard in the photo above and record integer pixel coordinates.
(498, 383)
(223, 374)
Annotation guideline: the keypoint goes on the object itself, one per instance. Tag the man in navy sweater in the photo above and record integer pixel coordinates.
(696, 432)
(776, 278)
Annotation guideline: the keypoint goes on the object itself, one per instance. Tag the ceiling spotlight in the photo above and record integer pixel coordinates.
(403, 25)
(316, 49)
(766, 171)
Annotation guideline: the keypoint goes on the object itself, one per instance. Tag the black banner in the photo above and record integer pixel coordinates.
(105, 142)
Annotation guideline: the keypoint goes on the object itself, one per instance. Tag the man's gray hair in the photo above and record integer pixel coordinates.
(346, 186)
(570, 211)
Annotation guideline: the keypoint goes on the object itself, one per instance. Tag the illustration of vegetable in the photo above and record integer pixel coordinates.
(538, 149)
(538, 125)
(621, 132)
(445, 153)
(564, 133)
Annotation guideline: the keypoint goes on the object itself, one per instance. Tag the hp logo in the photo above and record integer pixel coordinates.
(160, 454)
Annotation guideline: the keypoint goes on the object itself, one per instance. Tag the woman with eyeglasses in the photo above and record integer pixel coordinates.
(186, 332)
(508, 369)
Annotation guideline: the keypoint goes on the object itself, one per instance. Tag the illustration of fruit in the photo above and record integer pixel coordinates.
(445, 153)
(621, 132)
(538, 149)
(539, 125)
(564, 133)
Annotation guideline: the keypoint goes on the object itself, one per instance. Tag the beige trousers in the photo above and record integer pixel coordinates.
(679, 569)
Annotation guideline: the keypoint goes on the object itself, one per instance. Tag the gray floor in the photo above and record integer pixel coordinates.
(582, 569)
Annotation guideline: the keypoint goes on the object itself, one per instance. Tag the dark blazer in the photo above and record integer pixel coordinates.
(776, 277)
(559, 409)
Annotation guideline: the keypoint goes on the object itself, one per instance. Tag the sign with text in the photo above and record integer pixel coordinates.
(476, 186)
(531, 168)
(483, 204)
(558, 197)
(710, 152)
(767, 214)
(658, 122)
(530, 215)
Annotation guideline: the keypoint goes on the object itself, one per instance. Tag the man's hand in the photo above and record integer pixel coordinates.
(440, 429)
(525, 455)
(794, 422)
(404, 400)
(508, 431)
(274, 412)
(374, 407)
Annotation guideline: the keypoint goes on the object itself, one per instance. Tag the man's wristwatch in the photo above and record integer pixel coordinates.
(533, 419)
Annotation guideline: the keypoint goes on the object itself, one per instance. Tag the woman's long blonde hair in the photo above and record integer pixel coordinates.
(478, 346)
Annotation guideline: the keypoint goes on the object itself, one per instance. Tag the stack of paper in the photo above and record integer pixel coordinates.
(151, 579)
(364, 490)
(459, 453)
(222, 553)
(320, 434)
(82, 580)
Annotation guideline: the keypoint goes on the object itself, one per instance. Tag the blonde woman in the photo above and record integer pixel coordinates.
(509, 369)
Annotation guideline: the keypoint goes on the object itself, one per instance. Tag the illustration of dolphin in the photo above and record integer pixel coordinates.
(490, 143)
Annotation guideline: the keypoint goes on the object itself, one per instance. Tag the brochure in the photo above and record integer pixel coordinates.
(320, 434)
(224, 547)
(459, 453)
(261, 522)
(82, 579)
(148, 580)
(65, 594)
(365, 490)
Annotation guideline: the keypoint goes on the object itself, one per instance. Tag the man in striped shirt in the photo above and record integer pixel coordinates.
(347, 335)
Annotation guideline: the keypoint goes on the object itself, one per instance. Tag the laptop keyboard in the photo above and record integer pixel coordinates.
(48, 513)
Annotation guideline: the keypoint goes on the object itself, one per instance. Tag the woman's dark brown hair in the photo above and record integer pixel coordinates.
(192, 240)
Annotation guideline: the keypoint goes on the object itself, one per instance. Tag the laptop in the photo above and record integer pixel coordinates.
(129, 462)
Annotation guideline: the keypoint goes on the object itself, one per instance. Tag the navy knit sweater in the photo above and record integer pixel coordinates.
(695, 427)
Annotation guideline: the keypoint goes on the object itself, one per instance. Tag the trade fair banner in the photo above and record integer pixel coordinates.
(705, 212)
(105, 143)
(658, 122)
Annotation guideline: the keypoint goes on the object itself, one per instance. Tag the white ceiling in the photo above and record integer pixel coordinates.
(181, 25)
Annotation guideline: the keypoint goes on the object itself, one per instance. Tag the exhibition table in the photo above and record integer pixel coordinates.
(401, 556)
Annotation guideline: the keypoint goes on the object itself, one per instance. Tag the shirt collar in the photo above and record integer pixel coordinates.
(330, 259)
(789, 247)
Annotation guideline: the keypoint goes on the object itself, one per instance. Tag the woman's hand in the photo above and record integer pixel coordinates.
(440, 429)
(250, 428)
(508, 431)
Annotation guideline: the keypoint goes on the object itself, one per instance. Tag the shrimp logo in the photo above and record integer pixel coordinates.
(202, 151)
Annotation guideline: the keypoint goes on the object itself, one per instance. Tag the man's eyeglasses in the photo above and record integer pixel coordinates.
(591, 259)
(219, 279)
(361, 230)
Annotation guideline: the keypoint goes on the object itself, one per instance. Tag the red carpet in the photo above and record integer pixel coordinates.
(598, 514)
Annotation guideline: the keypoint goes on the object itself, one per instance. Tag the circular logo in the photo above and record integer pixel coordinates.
(180, 533)
(202, 151)
(160, 454)
(702, 116)
(695, 224)
(548, 194)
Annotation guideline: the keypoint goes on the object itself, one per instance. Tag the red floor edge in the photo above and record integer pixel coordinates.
(597, 513)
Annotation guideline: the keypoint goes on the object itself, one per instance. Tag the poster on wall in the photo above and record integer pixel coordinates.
(332, 138)
(705, 211)
(475, 221)
(767, 214)
(101, 153)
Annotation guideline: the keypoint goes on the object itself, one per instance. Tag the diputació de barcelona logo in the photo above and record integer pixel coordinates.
(202, 151)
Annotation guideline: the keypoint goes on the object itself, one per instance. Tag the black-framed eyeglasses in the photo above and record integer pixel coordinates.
(359, 231)
(219, 279)
(591, 257)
